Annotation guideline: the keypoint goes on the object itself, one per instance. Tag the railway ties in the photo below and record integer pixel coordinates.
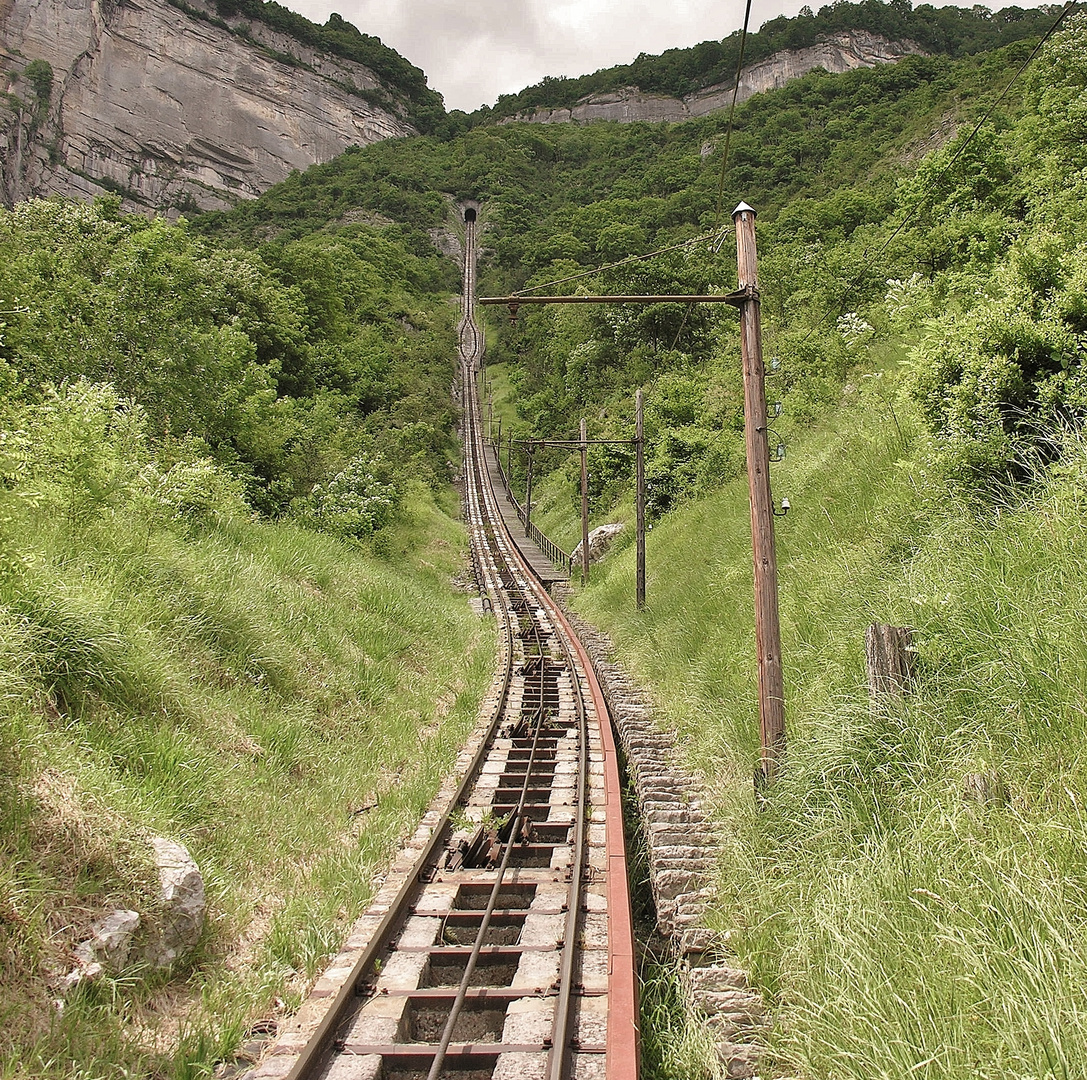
(500, 946)
(508, 924)
(500, 900)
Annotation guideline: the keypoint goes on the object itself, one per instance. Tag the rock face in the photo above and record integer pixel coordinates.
(599, 541)
(840, 52)
(168, 109)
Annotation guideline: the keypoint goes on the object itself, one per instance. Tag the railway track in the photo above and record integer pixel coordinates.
(506, 950)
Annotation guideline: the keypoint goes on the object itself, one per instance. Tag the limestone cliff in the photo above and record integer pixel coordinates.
(170, 109)
(839, 52)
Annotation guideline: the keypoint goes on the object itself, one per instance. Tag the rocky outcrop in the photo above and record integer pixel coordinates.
(600, 540)
(839, 52)
(170, 933)
(167, 108)
(182, 906)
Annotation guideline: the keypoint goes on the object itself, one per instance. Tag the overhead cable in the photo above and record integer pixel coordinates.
(959, 151)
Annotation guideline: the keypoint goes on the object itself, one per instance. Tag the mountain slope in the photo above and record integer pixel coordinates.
(687, 74)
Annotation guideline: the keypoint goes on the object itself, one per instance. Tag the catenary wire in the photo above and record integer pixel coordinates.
(715, 234)
(731, 114)
(865, 266)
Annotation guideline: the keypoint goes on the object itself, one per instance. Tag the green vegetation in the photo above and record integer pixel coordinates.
(909, 900)
(896, 925)
(39, 73)
(184, 653)
(226, 542)
(284, 704)
(285, 364)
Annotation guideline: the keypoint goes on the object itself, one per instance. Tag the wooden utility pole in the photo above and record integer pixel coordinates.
(496, 442)
(584, 504)
(746, 298)
(771, 688)
(639, 497)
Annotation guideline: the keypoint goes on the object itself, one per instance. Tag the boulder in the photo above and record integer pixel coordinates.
(600, 540)
(107, 949)
(182, 906)
(111, 941)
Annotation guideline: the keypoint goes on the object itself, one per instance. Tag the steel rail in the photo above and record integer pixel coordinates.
(502, 571)
(566, 972)
(622, 1038)
(319, 1045)
(561, 1024)
(559, 1039)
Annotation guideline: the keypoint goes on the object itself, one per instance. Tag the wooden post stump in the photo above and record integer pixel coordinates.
(889, 653)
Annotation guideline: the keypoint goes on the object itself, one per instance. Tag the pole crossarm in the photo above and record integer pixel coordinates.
(576, 444)
(735, 298)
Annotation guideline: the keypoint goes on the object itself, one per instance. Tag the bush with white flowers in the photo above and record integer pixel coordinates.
(358, 500)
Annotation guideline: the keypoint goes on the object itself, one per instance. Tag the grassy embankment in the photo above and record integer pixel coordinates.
(283, 703)
(898, 928)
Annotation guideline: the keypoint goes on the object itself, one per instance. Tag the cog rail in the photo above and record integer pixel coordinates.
(506, 953)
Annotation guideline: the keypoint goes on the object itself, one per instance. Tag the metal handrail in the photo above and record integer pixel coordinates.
(548, 546)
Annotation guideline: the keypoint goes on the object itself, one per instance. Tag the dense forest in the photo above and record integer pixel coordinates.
(228, 529)
(839, 164)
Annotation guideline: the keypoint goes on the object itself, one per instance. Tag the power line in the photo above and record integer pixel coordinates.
(622, 262)
(865, 266)
(731, 114)
(716, 235)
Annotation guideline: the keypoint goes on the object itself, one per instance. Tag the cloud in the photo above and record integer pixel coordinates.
(474, 50)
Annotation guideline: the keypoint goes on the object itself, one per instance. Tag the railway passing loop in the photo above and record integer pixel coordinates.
(505, 952)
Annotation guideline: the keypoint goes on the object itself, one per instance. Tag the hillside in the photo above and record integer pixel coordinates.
(707, 70)
(227, 542)
(181, 106)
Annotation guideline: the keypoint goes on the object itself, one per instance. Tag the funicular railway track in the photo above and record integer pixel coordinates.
(507, 952)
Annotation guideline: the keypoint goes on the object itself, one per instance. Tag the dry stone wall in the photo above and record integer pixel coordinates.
(682, 854)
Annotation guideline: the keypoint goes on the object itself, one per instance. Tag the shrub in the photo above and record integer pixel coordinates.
(357, 501)
(998, 383)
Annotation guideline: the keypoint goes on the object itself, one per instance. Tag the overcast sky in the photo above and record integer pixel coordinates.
(474, 50)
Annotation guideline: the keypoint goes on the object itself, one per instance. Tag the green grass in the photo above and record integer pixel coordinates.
(898, 929)
(244, 688)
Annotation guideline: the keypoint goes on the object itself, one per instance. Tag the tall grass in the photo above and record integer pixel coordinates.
(898, 927)
(283, 704)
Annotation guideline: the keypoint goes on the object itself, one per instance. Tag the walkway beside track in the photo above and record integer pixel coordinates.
(541, 565)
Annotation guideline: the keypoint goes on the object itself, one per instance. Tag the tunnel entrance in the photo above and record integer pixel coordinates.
(470, 214)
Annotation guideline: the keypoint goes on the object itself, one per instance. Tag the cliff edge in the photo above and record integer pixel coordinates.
(170, 105)
(839, 52)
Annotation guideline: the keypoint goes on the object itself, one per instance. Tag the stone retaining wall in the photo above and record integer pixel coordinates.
(682, 855)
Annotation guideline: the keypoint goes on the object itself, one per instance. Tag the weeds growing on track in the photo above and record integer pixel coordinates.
(899, 925)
